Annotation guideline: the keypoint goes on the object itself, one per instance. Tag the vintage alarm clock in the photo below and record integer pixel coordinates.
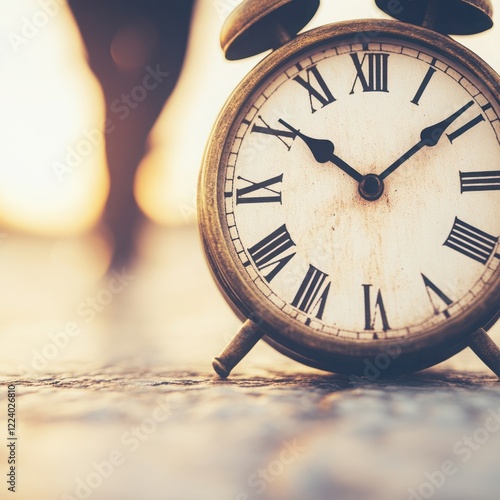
(349, 199)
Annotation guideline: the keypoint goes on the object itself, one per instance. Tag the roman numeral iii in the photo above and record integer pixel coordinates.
(316, 87)
(471, 241)
(373, 77)
(272, 251)
(487, 180)
(313, 293)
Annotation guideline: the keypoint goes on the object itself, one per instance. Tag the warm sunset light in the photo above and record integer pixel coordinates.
(324, 325)
(53, 176)
(53, 168)
(166, 181)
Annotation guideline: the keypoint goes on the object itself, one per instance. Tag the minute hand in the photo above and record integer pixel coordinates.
(428, 137)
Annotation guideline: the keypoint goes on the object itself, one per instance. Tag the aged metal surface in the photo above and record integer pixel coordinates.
(487, 350)
(259, 25)
(239, 346)
(455, 17)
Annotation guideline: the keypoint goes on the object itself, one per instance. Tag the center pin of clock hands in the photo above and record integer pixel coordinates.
(370, 186)
(429, 136)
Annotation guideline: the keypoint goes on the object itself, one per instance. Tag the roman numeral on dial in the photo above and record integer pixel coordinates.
(316, 87)
(431, 287)
(471, 241)
(284, 135)
(313, 293)
(423, 85)
(487, 180)
(379, 304)
(464, 128)
(272, 251)
(374, 77)
(259, 192)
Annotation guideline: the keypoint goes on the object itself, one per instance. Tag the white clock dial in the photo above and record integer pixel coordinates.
(362, 189)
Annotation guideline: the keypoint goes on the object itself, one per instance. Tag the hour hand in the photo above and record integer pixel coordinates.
(324, 151)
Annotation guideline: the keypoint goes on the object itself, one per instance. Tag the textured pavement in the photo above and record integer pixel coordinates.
(127, 408)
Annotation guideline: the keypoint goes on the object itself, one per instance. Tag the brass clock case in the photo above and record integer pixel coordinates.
(285, 334)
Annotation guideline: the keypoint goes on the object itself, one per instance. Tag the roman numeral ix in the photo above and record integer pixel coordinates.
(259, 192)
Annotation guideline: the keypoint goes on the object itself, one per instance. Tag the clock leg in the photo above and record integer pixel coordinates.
(486, 349)
(238, 347)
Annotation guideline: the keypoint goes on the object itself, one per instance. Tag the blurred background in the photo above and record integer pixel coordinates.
(105, 110)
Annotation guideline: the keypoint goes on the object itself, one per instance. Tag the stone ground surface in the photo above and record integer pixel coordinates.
(127, 408)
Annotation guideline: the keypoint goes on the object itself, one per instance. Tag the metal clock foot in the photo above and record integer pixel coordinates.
(486, 350)
(238, 347)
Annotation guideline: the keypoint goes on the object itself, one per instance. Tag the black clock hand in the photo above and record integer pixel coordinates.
(428, 137)
(323, 152)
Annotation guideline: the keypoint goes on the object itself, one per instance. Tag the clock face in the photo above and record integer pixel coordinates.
(359, 190)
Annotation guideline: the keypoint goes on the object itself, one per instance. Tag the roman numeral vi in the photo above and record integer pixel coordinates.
(379, 303)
